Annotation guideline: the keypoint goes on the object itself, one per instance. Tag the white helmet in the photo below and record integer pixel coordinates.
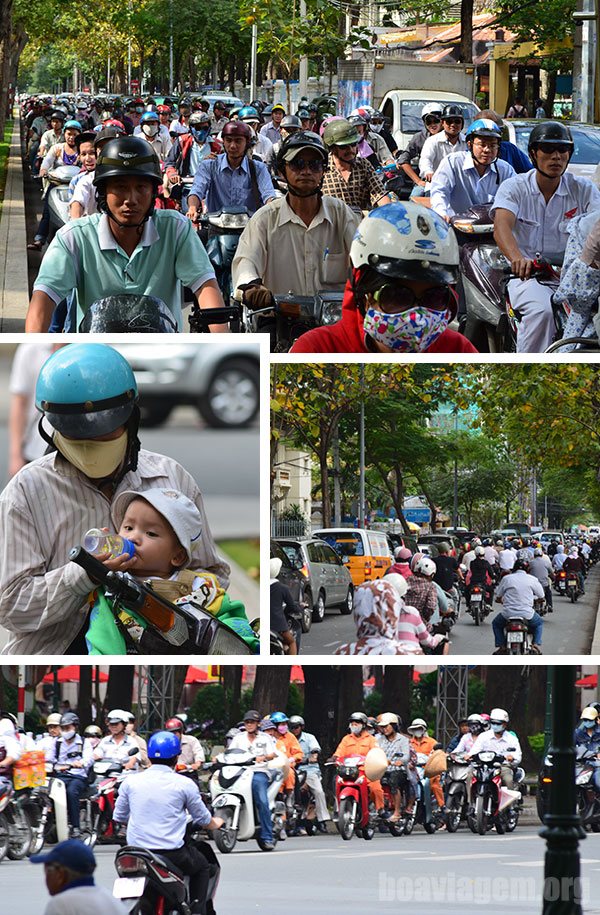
(426, 566)
(387, 718)
(116, 715)
(274, 567)
(479, 551)
(499, 714)
(406, 241)
(416, 724)
(431, 108)
(53, 719)
(398, 583)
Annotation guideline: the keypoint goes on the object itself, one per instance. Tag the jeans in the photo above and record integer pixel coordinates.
(75, 786)
(44, 226)
(260, 783)
(548, 596)
(535, 624)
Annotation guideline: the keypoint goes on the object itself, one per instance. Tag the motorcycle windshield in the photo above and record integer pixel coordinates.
(140, 314)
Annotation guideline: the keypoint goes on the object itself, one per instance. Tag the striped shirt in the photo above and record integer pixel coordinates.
(362, 189)
(45, 510)
(411, 628)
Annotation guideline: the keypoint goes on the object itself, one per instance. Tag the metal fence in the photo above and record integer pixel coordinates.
(285, 527)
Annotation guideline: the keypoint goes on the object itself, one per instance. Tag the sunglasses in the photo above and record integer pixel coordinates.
(549, 148)
(453, 120)
(394, 298)
(431, 119)
(297, 164)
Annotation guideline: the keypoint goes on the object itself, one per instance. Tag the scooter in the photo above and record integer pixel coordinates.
(588, 801)
(572, 588)
(45, 807)
(478, 606)
(542, 795)
(560, 582)
(389, 781)
(58, 196)
(127, 313)
(110, 774)
(492, 804)
(519, 639)
(456, 789)
(223, 231)
(231, 793)
(352, 796)
(150, 884)
(15, 832)
(424, 812)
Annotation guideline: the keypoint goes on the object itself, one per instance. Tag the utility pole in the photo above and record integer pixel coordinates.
(361, 496)
(589, 16)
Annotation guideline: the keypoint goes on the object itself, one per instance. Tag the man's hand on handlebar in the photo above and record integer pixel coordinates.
(193, 214)
(257, 297)
(521, 267)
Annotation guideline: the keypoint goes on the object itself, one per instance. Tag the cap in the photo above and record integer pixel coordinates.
(72, 854)
(251, 715)
(177, 509)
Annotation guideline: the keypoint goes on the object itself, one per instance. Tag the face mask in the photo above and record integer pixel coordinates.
(497, 728)
(200, 135)
(355, 728)
(376, 127)
(95, 459)
(418, 732)
(68, 734)
(150, 130)
(406, 331)
(282, 728)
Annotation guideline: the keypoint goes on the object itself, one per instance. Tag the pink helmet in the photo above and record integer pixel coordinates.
(328, 120)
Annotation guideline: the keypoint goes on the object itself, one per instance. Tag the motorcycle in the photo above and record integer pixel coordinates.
(231, 793)
(390, 782)
(395, 181)
(58, 196)
(289, 316)
(572, 588)
(305, 800)
(148, 883)
(588, 800)
(519, 639)
(456, 789)
(294, 618)
(424, 812)
(352, 796)
(45, 807)
(542, 795)
(222, 234)
(479, 607)
(127, 313)
(492, 804)
(103, 828)
(560, 583)
(15, 831)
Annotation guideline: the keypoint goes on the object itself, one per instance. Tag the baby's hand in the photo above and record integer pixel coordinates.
(119, 563)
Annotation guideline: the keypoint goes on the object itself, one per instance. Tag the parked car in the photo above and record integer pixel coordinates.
(437, 538)
(405, 540)
(329, 583)
(294, 580)
(586, 138)
(220, 380)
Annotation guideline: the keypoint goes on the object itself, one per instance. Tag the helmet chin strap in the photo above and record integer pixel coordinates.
(316, 192)
(137, 225)
(545, 174)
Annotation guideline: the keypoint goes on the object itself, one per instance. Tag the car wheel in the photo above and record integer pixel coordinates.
(154, 413)
(232, 397)
(348, 605)
(307, 612)
(318, 614)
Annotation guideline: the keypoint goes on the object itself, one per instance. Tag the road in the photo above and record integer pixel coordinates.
(568, 630)
(461, 872)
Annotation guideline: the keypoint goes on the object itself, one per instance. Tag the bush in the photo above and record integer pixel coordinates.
(537, 742)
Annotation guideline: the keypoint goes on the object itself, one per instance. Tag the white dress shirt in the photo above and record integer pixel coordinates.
(435, 148)
(457, 185)
(505, 744)
(518, 591)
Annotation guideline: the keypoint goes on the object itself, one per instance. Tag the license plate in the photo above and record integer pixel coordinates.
(515, 636)
(572, 583)
(128, 887)
(476, 598)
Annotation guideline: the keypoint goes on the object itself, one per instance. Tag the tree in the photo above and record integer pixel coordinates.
(521, 692)
(271, 688)
(119, 690)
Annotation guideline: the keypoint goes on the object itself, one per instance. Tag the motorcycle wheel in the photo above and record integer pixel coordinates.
(310, 827)
(511, 818)
(430, 828)
(346, 823)
(454, 808)
(3, 836)
(226, 838)
(573, 597)
(396, 829)
(20, 837)
(368, 832)
(408, 823)
(476, 618)
(481, 817)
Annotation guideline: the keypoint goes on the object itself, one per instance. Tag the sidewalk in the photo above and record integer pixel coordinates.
(14, 295)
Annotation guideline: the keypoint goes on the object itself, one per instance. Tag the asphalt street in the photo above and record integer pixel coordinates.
(568, 630)
(461, 873)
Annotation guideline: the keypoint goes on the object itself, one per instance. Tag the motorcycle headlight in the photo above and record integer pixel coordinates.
(493, 257)
(487, 756)
(229, 220)
(349, 772)
(331, 312)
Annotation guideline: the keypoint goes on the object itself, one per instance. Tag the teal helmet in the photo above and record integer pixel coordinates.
(86, 390)
(248, 113)
(279, 718)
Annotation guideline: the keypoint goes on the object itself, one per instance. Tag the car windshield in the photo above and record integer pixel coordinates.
(345, 544)
(586, 139)
(410, 113)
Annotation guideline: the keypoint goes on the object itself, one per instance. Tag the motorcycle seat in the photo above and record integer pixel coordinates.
(168, 865)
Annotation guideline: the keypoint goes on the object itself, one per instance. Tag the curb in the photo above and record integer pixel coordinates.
(14, 289)
(595, 648)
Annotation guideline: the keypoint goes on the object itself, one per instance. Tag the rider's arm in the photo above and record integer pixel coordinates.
(266, 190)
(76, 210)
(199, 188)
(504, 223)
(442, 185)
(55, 280)
(209, 296)
(122, 811)
(251, 256)
(39, 313)
(377, 192)
(426, 163)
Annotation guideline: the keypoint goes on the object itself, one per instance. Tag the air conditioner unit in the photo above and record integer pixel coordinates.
(282, 478)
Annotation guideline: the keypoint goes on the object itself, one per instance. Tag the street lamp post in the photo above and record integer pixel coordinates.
(361, 496)
(562, 829)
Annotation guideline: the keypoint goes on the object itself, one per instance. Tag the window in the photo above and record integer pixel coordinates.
(345, 543)
(410, 113)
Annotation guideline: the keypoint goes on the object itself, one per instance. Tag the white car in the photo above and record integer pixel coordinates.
(585, 136)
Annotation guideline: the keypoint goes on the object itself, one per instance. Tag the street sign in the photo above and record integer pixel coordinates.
(135, 84)
(418, 515)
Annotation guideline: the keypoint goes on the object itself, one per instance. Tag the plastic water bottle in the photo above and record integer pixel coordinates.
(106, 546)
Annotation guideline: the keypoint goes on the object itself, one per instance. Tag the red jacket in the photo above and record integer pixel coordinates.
(347, 336)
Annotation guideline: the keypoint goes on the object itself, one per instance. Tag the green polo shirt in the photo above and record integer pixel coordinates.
(85, 256)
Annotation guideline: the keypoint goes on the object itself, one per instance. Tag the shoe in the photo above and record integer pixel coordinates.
(384, 814)
(268, 846)
(395, 818)
(35, 246)
(282, 835)
(501, 650)
(536, 649)
(322, 827)
(76, 833)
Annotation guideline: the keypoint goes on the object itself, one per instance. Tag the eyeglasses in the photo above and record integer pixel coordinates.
(431, 119)
(297, 165)
(453, 120)
(549, 148)
(393, 298)
(486, 143)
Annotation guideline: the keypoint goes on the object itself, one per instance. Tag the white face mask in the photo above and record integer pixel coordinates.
(376, 127)
(150, 130)
(68, 734)
(356, 728)
(95, 459)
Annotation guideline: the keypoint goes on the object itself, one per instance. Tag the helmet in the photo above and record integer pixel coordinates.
(267, 724)
(291, 122)
(86, 390)
(431, 108)
(251, 715)
(304, 114)
(88, 137)
(417, 723)
(174, 724)
(356, 119)
(277, 107)
(479, 551)
(279, 718)
(296, 721)
(499, 714)
(69, 718)
(484, 127)
(402, 553)
(92, 730)
(237, 129)
(53, 719)
(59, 115)
(476, 724)
(117, 715)
(127, 156)
(425, 566)
(360, 717)
(198, 118)
(550, 132)
(589, 714)
(248, 113)
(340, 133)
(538, 551)
(295, 143)
(452, 111)
(397, 582)
(149, 116)
(163, 745)
(371, 722)
(523, 555)
(163, 109)
(406, 241)
(73, 125)
(387, 718)
(325, 121)
(363, 112)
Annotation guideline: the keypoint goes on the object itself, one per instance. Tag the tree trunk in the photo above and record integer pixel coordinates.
(324, 469)
(321, 694)
(271, 689)
(397, 685)
(549, 103)
(120, 687)
(351, 695)
(232, 683)
(465, 51)
(429, 499)
(5, 56)
(84, 699)
(516, 689)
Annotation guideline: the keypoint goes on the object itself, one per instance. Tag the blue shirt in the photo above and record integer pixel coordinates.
(223, 186)
(154, 805)
(309, 744)
(511, 153)
(457, 186)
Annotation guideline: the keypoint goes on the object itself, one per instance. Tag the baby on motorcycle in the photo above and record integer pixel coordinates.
(162, 525)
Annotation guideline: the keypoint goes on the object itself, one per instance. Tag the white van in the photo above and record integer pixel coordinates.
(403, 108)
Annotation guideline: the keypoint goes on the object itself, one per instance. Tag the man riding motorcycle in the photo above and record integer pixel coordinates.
(155, 806)
(397, 750)
(71, 760)
(263, 748)
(501, 741)
(185, 156)
(480, 574)
(517, 592)
(191, 755)
(358, 743)
(349, 176)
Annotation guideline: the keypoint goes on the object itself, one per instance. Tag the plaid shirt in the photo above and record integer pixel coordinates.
(362, 189)
(421, 594)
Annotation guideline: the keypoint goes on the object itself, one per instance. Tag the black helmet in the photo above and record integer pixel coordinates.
(127, 156)
(291, 121)
(69, 718)
(550, 132)
(295, 143)
(88, 137)
(452, 111)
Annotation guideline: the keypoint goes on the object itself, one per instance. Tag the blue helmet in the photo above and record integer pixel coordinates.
(149, 116)
(164, 745)
(484, 127)
(248, 113)
(86, 390)
(73, 125)
(279, 718)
